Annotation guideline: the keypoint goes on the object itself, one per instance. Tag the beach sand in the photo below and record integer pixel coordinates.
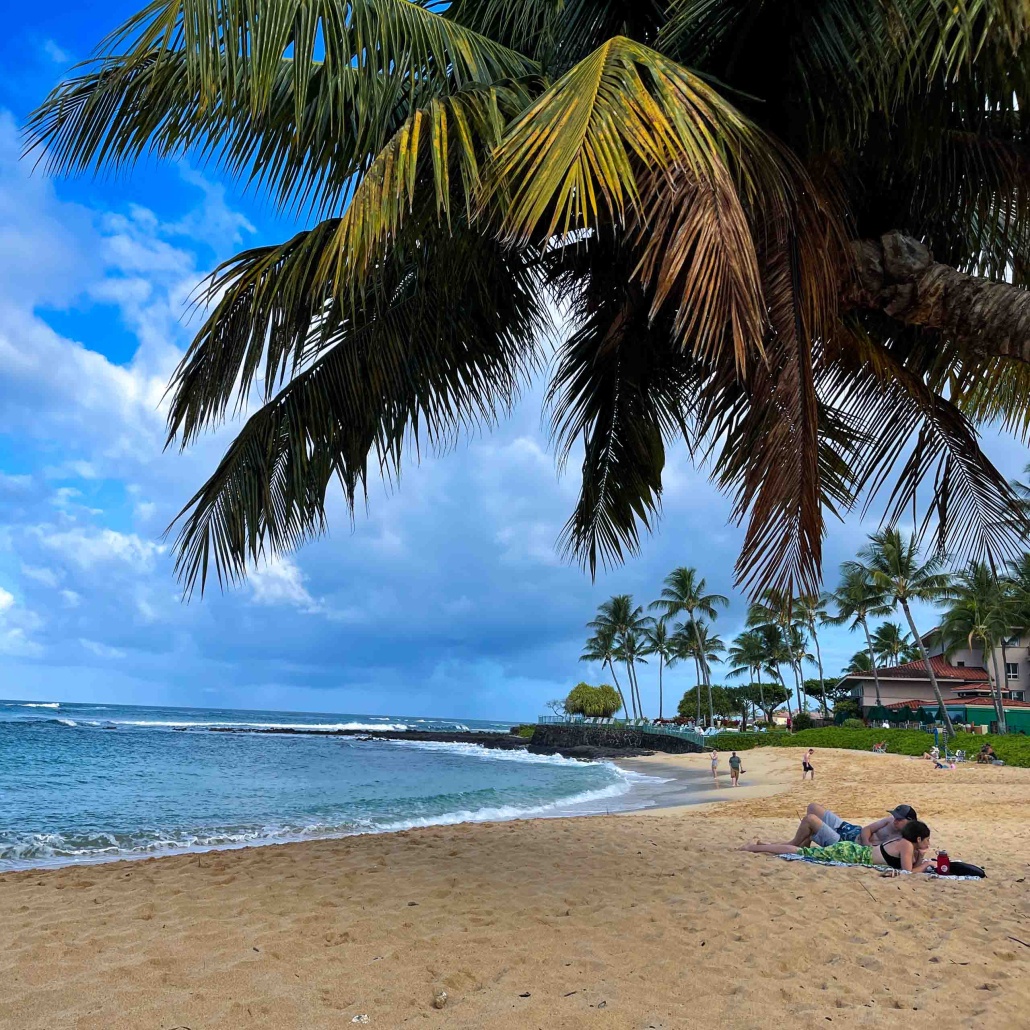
(635, 920)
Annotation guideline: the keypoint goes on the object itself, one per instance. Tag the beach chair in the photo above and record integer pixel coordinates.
(880, 749)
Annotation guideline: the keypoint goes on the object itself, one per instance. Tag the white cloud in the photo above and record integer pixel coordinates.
(281, 582)
(71, 599)
(87, 548)
(48, 577)
(6, 600)
(55, 52)
(101, 650)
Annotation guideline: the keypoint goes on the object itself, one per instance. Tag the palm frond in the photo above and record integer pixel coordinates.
(303, 103)
(436, 349)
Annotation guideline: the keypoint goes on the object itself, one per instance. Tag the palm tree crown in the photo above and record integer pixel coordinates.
(745, 257)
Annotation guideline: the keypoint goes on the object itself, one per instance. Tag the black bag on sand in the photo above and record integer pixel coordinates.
(965, 869)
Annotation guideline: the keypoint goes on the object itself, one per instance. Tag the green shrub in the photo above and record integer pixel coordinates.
(525, 730)
(1011, 749)
(853, 724)
(802, 721)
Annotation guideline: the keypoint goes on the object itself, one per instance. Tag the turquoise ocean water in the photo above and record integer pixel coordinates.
(81, 783)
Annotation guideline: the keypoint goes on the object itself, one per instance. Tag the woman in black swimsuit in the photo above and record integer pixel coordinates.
(906, 853)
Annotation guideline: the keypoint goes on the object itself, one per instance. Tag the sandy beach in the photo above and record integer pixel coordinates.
(645, 919)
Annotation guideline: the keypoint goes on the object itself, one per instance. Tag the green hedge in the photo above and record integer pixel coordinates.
(1013, 749)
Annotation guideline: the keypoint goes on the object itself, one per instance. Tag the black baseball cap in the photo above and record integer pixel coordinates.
(903, 812)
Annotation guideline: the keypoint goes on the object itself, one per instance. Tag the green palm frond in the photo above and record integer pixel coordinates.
(437, 349)
(302, 125)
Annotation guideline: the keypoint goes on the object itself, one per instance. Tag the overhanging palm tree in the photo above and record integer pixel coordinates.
(981, 610)
(891, 563)
(855, 599)
(777, 266)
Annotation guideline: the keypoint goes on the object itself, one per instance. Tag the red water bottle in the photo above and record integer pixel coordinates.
(943, 863)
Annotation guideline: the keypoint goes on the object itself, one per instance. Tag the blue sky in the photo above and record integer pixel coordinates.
(447, 599)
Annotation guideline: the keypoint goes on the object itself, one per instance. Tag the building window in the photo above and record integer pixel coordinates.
(1017, 695)
(1012, 670)
(1012, 641)
(960, 665)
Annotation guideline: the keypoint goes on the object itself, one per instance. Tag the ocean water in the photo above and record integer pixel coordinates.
(82, 783)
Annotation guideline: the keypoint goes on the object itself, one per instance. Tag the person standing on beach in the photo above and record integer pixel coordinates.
(715, 765)
(807, 768)
(734, 770)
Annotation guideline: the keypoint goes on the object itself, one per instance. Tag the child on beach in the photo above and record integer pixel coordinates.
(735, 770)
(807, 768)
(906, 853)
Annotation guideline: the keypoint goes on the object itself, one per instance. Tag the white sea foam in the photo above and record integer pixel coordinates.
(41, 704)
(296, 726)
(67, 722)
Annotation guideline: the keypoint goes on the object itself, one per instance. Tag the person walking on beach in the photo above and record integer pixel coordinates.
(715, 765)
(807, 768)
(735, 770)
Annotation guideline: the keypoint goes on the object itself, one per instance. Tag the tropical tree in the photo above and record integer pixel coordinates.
(601, 647)
(632, 650)
(596, 702)
(748, 654)
(775, 615)
(774, 695)
(892, 645)
(981, 610)
(891, 564)
(862, 662)
(619, 616)
(718, 697)
(782, 268)
(695, 640)
(811, 610)
(855, 600)
(658, 641)
(797, 643)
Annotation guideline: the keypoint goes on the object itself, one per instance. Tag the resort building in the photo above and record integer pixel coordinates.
(963, 681)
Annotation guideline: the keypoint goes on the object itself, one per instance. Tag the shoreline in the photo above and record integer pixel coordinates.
(655, 785)
(643, 918)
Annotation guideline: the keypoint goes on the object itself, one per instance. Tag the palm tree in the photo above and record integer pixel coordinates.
(685, 593)
(855, 599)
(797, 644)
(631, 649)
(601, 648)
(775, 614)
(861, 662)
(658, 641)
(892, 645)
(981, 610)
(891, 563)
(749, 654)
(623, 618)
(721, 238)
(697, 641)
(811, 610)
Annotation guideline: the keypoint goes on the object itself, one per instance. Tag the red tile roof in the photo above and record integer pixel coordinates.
(988, 703)
(917, 671)
(913, 704)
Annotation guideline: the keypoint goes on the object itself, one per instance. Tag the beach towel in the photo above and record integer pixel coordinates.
(879, 868)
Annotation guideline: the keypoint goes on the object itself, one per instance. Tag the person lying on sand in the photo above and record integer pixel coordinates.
(933, 754)
(906, 853)
(822, 827)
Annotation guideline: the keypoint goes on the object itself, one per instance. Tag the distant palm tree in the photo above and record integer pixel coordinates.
(775, 615)
(812, 612)
(749, 654)
(705, 647)
(982, 610)
(891, 563)
(621, 616)
(658, 641)
(631, 650)
(855, 599)
(601, 648)
(685, 593)
(797, 644)
(860, 662)
(892, 645)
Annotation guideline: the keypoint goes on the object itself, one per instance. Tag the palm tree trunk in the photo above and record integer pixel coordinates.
(661, 663)
(872, 659)
(708, 684)
(622, 697)
(761, 692)
(636, 690)
(996, 695)
(819, 660)
(697, 688)
(783, 683)
(929, 668)
(898, 275)
(1003, 723)
(632, 692)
